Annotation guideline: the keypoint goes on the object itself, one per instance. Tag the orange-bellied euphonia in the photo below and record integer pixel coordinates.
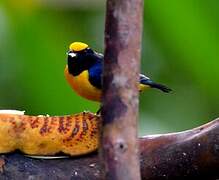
(84, 71)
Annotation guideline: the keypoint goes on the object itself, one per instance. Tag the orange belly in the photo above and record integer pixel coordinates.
(82, 86)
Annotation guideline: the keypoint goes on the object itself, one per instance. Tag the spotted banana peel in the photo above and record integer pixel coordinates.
(44, 135)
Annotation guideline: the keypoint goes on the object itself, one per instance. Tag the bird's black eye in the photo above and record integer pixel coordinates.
(89, 51)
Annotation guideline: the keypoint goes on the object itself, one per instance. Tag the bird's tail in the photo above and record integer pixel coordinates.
(147, 82)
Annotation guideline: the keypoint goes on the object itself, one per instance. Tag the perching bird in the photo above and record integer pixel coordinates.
(84, 71)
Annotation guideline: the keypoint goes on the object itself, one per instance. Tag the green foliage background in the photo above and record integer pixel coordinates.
(180, 49)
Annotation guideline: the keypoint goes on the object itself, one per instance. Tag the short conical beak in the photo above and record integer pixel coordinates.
(71, 54)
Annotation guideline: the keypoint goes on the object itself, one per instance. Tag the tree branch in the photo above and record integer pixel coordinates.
(188, 154)
(120, 89)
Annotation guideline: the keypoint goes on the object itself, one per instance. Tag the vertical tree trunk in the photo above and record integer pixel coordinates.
(120, 89)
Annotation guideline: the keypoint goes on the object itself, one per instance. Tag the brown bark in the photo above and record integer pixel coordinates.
(184, 155)
(120, 92)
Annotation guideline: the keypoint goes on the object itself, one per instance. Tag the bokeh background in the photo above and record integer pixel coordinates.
(180, 49)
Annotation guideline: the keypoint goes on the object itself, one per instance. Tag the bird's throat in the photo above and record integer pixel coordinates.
(74, 68)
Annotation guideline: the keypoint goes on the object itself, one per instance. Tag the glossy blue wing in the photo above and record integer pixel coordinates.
(95, 75)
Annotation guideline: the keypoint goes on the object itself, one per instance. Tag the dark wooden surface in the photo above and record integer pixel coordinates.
(191, 154)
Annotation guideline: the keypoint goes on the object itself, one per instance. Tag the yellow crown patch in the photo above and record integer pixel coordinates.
(78, 46)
